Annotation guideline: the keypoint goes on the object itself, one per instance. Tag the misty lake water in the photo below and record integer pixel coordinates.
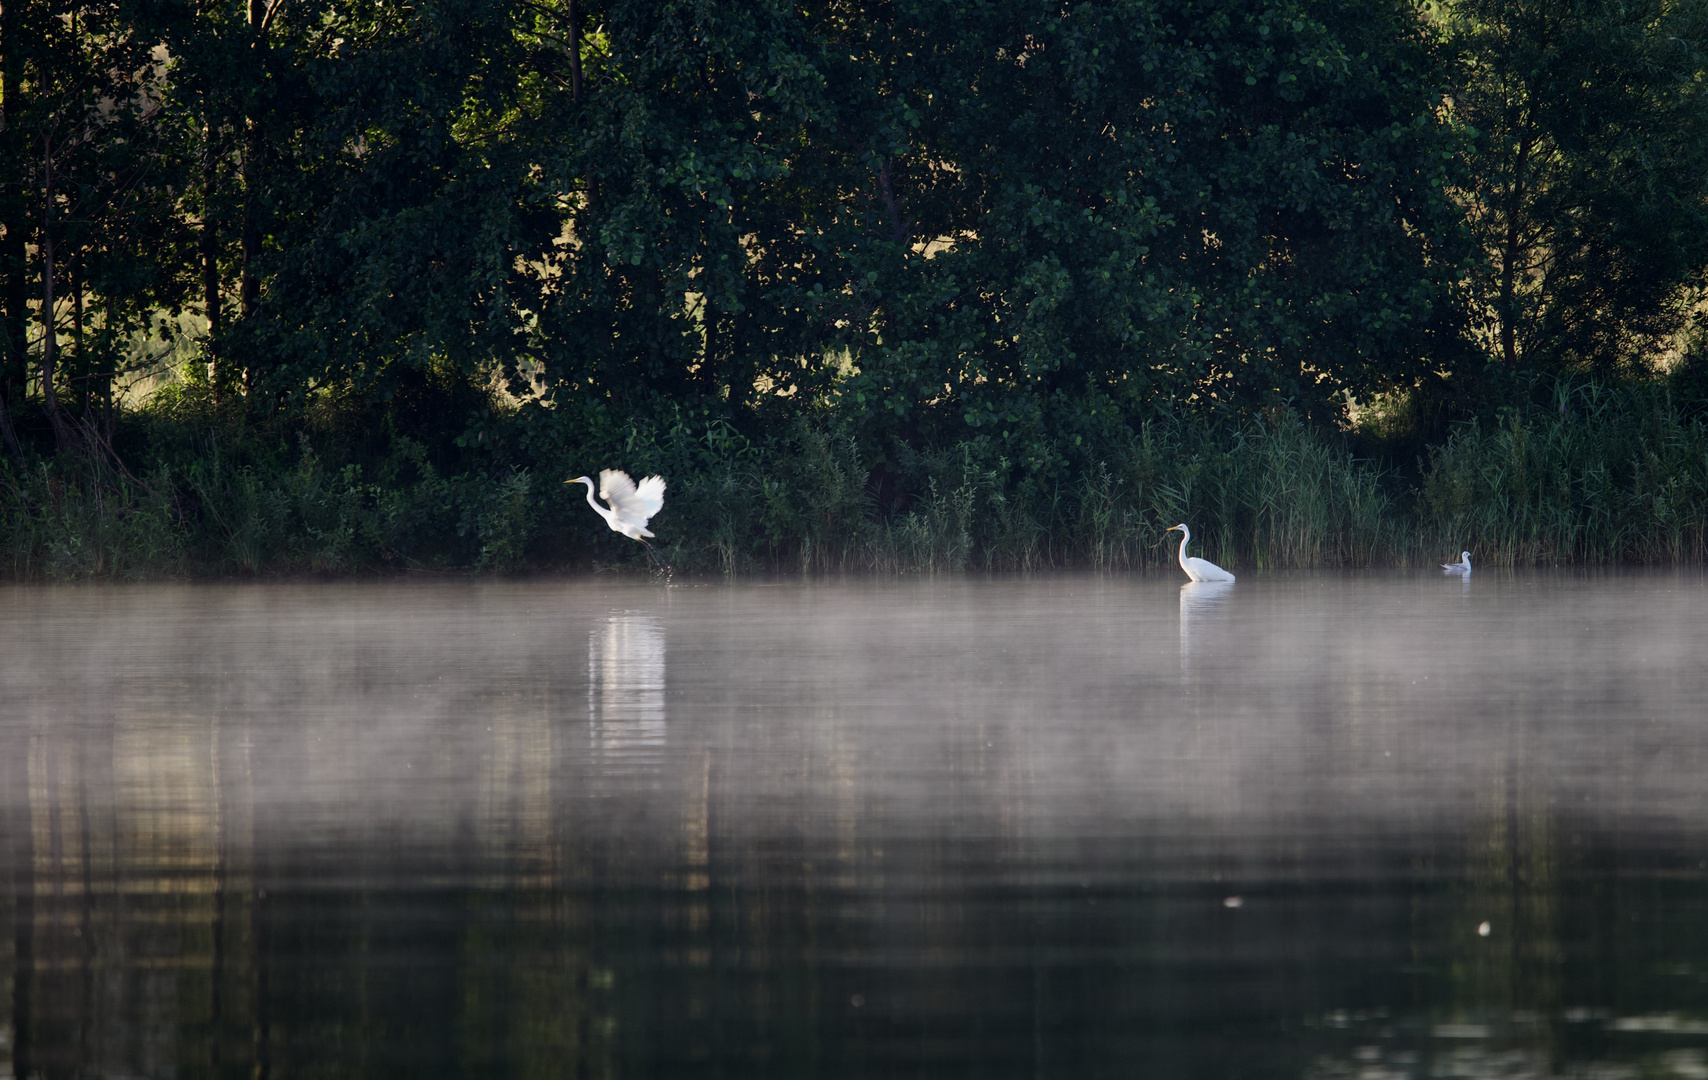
(1319, 826)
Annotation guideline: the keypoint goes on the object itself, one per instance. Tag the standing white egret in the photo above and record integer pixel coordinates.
(1463, 566)
(631, 506)
(1197, 569)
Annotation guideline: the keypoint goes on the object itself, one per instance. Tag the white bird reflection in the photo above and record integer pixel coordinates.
(1198, 601)
(625, 693)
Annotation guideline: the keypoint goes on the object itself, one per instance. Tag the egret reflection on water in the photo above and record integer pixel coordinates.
(1198, 601)
(625, 692)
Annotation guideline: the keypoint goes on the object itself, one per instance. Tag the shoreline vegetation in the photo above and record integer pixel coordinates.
(1583, 473)
(318, 287)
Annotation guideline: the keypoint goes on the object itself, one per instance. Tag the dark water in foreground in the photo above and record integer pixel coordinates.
(1314, 826)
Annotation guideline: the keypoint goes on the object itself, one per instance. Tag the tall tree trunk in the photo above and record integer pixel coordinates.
(1509, 257)
(248, 284)
(77, 334)
(575, 87)
(50, 339)
(574, 53)
(709, 358)
(104, 383)
(741, 367)
(249, 288)
(210, 249)
(1511, 254)
(7, 433)
(14, 259)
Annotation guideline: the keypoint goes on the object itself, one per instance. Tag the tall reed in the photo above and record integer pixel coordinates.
(208, 515)
(1269, 493)
(1596, 474)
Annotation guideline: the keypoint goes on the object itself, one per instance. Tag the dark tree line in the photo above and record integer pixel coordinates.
(1023, 220)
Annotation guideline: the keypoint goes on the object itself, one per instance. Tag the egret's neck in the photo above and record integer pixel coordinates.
(604, 512)
(1185, 535)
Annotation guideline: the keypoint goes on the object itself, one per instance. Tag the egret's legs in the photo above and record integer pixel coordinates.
(663, 567)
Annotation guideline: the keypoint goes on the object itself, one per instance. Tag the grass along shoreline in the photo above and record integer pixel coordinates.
(1585, 474)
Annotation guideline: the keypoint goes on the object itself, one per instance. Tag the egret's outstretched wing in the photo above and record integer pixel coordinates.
(632, 504)
(650, 496)
(615, 486)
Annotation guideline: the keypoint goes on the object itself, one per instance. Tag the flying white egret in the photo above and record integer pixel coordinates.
(1197, 569)
(631, 506)
(1463, 566)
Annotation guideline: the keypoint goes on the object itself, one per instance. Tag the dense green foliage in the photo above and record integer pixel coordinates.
(917, 284)
(1587, 138)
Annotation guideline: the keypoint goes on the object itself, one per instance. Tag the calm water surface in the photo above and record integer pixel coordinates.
(1311, 826)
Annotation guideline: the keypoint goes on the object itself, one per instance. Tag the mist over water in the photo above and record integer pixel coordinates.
(1385, 825)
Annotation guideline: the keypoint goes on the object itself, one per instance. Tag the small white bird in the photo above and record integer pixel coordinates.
(631, 506)
(1197, 569)
(1463, 566)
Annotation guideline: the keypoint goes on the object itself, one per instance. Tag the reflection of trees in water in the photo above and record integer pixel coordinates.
(1512, 879)
(553, 915)
(1478, 1062)
(1586, 915)
(158, 943)
(133, 916)
(153, 934)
